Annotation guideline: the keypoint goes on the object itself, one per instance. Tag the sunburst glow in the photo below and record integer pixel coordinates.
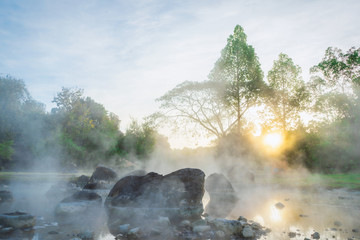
(275, 214)
(273, 140)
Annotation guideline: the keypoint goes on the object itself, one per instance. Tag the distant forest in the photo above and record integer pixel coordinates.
(318, 119)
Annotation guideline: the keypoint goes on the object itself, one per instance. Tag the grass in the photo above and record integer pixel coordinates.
(35, 176)
(343, 180)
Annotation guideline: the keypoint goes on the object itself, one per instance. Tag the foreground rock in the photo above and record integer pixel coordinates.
(17, 220)
(222, 196)
(141, 200)
(83, 207)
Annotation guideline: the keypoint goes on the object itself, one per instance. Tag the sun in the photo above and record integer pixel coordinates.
(273, 140)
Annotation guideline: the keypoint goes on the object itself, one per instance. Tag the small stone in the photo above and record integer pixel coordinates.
(355, 230)
(185, 223)
(199, 222)
(53, 232)
(256, 226)
(201, 228)
(220, 234)
(307, 239)
(279, 205)
(164, 221)
(134, 231)
(124, 228)
(315, 235)
(291, 234)
(302, 215)
(337, 223)
(7, 230)
(241, 218)
(247, 232)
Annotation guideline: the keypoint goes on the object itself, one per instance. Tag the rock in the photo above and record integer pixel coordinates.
(185, 223)
(355, 230)
(279, 205)
(6, 230)
(337, 223)
(247, 232)
(83, 207)
(307, 239)
(292, 234)
(5, 197)
(227, 226)
(101, 178)
(81, 181)
(315, 235)
(87, 235)
(222, 196)
(143, 199)
(220, 234)
(102, 173)
(17, 220)
(201, 228)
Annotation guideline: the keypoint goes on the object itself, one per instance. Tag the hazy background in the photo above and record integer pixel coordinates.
(125, 54)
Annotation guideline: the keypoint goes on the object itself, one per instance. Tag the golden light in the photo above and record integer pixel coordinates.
(273, 140)
(275, 214)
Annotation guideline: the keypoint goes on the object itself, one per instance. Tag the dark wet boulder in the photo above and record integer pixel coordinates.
(222, 196)
(81, 207)
(102, 173)
(80, 181)
(135, 199)
(102, 178)
(17, 220)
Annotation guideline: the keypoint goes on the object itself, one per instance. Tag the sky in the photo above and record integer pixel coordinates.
(125, 54)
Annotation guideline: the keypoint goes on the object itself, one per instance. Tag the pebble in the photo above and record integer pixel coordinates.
(247, 232)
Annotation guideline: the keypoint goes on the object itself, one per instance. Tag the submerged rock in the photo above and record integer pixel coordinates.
(138, 200)
(222, 196)
(17, 220)
(82, 207)
(5, 197)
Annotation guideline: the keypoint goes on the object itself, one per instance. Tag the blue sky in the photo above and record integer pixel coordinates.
(125, 54)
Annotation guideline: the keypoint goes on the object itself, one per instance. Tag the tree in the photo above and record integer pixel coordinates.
(287, 93)
(198, 104)
(335, 83)
(20, 123)
(340, 69)
(239, 69)
(88, 132)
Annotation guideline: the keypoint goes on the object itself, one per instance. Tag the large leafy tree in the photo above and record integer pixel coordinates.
(198, 104)
(239, 69)
(335, 83)
(287, 93)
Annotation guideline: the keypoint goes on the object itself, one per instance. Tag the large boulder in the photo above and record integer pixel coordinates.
(136, 199)
(222, 196)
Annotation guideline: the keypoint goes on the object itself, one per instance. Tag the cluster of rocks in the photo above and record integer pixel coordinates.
(142, 206)
(154, 206)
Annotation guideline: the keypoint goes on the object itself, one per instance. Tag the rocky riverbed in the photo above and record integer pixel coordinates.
(84, 209)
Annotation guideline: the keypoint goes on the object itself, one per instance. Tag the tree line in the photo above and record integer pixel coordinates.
(78, 132)
(81, 132)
